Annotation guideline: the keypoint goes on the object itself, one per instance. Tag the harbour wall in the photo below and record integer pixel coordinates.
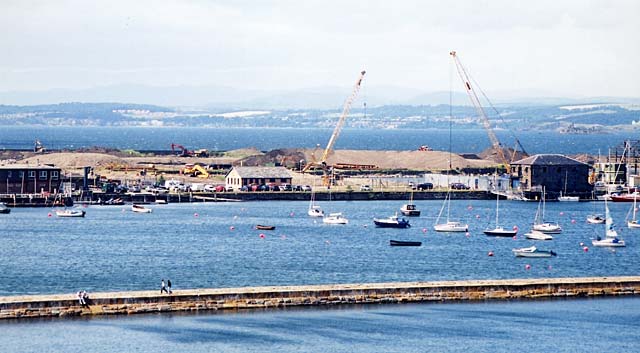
(66, 305)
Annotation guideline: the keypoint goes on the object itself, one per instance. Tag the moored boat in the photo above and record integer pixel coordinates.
(499, 231)
(140, 209)
(404, 243)
(335, 218)
(611, 236)
(633, 222)
(391, 222)
(70, 213)
(451, 226)
(539, 224)
(4, 209)
(533, 252)
(410, 210)
(263, 227)
(630, 197)
(538, 235)
(595, 219)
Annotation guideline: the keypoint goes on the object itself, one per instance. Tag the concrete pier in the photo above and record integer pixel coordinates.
(63, 305)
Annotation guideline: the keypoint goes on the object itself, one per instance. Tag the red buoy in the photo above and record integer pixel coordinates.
(261, 236)
(527, 267)
(490, 253)
(585, 249)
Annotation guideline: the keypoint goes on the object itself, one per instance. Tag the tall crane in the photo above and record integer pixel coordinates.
(495, 143)
(336, 132)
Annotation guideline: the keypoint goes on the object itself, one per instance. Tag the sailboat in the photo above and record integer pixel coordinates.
(410, 208)
(539, 224)
(449, 225)
(565, 198)
(633, 223)
(611, 239)
(314, 210)
(499, 231)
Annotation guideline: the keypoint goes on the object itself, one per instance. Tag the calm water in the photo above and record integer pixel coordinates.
(596, 325)
(115, 249)
(138, 138)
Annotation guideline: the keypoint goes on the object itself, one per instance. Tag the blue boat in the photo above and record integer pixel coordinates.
(391, 222)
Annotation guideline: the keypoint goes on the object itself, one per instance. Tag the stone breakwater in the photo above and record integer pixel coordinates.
(64, 305)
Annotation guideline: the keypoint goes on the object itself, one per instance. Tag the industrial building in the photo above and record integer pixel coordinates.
(557, 173)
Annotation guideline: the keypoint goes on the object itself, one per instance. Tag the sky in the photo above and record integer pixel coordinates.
(568, 48)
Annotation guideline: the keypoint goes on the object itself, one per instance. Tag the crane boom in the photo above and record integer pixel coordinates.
(343, 117)
(336, 132)
(495, 143)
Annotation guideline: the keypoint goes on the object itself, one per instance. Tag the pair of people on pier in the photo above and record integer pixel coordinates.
(83, 298)
(165, 288)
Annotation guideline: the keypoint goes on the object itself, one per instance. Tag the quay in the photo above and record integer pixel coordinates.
(67, 305)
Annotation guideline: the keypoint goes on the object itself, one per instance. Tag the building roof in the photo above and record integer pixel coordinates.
(261, 172)
(27, 167)
(548, 159)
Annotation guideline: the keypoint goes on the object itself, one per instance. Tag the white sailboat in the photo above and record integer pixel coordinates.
(633, 223)
(314, 210)
(539, 224)
(565, 198)
(611, 236)
(449, 225)
(499, 231)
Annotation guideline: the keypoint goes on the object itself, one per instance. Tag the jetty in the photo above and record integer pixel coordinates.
(136, 302)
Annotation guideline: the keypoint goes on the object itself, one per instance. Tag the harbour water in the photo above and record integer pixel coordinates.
(215, 245)
(153, 138)
(579, 325)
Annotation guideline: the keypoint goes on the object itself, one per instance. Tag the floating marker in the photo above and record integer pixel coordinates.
(585, 249)
(515, 228)
(467, 234)
(561, 213)
(490, 253)
(327, 242)
(469, 207)
(283, 237)
(573, 221)
(232, 228)
(424, 230)
(195, 214)
(49, 214)
(261, 236)
(549, 268)
(291, 214)
(581, 244)
(527, 267)
(477, 216)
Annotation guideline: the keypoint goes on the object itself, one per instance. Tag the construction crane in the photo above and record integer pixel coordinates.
(495, 143)
(322, 163)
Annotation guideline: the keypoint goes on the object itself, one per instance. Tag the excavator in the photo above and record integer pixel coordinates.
(195, 170)
(495, 143)
(322, 163)
(187, 153)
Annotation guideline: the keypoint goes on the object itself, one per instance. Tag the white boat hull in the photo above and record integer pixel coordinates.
(500, 232)
(609, 242)
(335, 219)
(141, 209)
(537, 235)
(548, 228)
(453, 227)
(633, 224)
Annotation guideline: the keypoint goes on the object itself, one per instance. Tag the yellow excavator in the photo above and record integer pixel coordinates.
(195, 170)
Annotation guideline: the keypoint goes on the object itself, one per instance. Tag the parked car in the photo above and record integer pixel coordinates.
(228, 188)
(209, 188)
(219, 188)
(297, 188)
(366, 188)
(286, 187)
(305, 188)
(424, 186)
(459, 186)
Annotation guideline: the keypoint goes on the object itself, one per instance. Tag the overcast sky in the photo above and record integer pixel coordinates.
(527, 48)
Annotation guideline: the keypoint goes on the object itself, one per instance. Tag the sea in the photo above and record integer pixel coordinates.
(266, 139)
(205, 245)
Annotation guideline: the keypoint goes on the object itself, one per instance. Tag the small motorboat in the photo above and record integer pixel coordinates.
(263, 227)
(112, 202)
(500, 232)
(70, 213)
(391, 222)
(140, 209)
(533, 252)
(410, 210)
(4, 209)
(595, 219)
(161, 202)
(538, 235)
(451, 226)
(335, 218)
(404, 243)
